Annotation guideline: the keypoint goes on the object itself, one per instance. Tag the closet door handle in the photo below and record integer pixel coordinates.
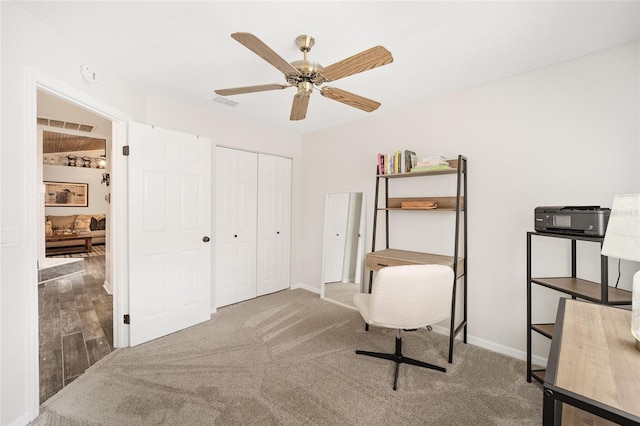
(206, 239)
(235, 236)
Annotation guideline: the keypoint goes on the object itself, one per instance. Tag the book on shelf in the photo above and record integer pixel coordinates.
(395, 162)
(399, 162)
(430, 168)
(432, 161)
(410, 160)
(380, 164)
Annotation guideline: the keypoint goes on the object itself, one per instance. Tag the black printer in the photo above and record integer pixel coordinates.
(575, 220)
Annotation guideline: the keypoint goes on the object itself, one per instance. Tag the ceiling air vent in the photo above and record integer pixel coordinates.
(224, 101)
(64, 124)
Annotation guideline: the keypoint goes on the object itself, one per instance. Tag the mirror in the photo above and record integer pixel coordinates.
(343, 254)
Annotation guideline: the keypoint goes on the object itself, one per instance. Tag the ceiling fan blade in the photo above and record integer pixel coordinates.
(256, 45)
(350, 99)
(299, 107)
(250, 89)
(363, 61)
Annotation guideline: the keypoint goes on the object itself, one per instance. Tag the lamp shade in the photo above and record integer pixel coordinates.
(622, 238)
(622, 241)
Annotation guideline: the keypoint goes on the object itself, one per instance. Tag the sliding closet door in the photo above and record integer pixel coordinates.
(236, 206)
(274, 223)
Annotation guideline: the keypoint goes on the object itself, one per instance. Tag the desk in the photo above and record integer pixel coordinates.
(593, 365)
(377, 260)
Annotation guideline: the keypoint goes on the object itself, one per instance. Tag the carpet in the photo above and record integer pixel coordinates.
(289, 359)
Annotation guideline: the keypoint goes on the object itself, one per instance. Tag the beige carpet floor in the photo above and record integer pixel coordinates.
(289, 359)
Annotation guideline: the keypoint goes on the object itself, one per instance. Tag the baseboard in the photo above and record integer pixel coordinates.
(21, 420)
(493, 347)
(305, 287)
(107, 287)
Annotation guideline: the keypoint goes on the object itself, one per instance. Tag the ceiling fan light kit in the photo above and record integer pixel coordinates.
(305, 74)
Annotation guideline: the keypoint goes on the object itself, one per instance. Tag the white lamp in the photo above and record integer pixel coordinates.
(622, 241)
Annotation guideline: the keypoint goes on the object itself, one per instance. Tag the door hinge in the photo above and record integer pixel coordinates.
(126, 319)
(125, 150)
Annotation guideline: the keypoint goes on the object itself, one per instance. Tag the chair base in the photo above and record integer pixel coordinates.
(398, 358)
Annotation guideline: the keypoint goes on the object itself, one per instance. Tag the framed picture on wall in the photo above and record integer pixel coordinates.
(66, 194)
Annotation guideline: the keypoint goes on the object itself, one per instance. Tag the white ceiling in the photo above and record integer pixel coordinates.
(183, 50)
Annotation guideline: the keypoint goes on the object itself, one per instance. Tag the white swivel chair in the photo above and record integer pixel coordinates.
(407, 297)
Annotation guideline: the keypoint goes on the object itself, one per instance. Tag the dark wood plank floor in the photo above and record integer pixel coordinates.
(76, 325)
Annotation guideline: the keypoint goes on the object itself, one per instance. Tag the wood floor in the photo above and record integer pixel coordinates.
(76, 326)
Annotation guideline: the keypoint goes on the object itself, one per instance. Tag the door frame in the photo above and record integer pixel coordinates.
(117, 234)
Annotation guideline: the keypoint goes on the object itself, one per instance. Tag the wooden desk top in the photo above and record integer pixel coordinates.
(597, 357)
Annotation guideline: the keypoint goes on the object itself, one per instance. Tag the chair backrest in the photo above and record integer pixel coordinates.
(411, 296)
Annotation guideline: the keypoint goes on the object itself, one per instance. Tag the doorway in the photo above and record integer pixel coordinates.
(75, 304)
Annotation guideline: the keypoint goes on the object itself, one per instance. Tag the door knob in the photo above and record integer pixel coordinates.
(206, 239)
(235, 236)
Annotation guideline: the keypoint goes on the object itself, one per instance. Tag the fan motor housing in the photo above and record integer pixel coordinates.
(309, 71)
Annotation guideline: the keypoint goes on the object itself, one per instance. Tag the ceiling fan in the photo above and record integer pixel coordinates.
(305, 74)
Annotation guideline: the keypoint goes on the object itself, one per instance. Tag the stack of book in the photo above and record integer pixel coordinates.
(429, 164)
(397, 162)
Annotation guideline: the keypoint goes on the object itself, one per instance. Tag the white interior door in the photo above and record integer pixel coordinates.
(236, 223)
(274, 223)
(169, 218)
(337, 210)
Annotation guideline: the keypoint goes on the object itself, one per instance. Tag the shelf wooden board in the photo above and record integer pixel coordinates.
(391, 257)
(538, 375)
(568, 236)
(584, 289)
(574, 416)
(413, 174)
(544, 329)
(444, 203)
(453, 164)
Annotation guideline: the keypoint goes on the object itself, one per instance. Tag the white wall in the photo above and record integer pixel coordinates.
(28, 46)
(97, 191)
(563, 135)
